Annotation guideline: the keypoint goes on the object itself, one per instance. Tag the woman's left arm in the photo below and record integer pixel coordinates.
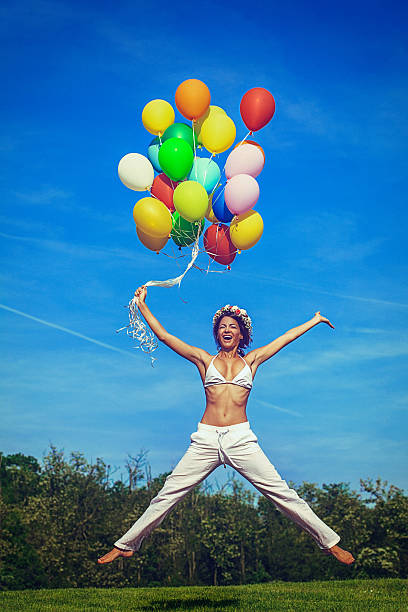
(258, 356)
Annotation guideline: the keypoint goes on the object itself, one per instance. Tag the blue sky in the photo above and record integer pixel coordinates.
(331, 407)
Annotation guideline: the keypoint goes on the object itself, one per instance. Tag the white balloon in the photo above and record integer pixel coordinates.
(136, 172)
(244, 159)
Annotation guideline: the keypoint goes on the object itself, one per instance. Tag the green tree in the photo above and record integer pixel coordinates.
(386, 552)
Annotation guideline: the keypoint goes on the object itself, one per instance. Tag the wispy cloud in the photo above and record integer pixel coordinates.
(36, 13)
(26, 225)
(351, 442)
(365, 330)
(384, 130)
(325, 361)
(332, 237)
(309, 115)
(64, 201)
(73, 249)
(43, 196)
(279, 408)
(65, 329)
(314, 289)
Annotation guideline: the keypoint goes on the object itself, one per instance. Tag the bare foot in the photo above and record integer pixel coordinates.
(341, 555)
(114, 554)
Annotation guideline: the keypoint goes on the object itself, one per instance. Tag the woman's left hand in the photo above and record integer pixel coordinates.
(322, 319)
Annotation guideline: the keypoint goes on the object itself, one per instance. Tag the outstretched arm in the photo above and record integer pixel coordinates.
(192, 353)
(258, 356)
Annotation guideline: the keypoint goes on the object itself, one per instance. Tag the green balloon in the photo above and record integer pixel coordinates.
(180, 130)
(176, 158)
(184, 232)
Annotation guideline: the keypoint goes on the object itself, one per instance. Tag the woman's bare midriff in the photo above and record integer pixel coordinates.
(226, 405)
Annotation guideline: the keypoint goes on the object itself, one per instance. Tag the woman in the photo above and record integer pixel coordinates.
(224, 435)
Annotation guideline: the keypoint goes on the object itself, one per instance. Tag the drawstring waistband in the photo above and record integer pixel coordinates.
(221, 453)
(237, 427)
(221, 432)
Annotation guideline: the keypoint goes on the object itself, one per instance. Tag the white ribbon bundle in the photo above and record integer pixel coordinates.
(136, 328)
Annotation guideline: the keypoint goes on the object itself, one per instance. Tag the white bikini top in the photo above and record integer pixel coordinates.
(242, 379)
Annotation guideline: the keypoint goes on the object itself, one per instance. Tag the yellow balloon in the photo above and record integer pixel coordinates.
(246, 230)
(218, 133)
(157, 115)
(152, 217)
(209, 215)
(210, 112)
(190, 200)
(152, 243)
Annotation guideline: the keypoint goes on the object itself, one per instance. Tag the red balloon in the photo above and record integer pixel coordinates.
(257, 108)
(217, 243)
(163, 189)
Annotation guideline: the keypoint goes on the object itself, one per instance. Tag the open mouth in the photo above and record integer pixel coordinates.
(227, 337)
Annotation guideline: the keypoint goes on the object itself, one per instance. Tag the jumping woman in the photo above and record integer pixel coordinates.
(224, 435)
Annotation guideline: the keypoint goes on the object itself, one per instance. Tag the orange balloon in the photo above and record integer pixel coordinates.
(252, 142)
(150, 242)
(192, 98)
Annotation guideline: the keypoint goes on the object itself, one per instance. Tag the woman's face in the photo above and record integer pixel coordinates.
(229, 333)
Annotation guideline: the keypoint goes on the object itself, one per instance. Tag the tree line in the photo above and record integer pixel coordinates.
(59, 515)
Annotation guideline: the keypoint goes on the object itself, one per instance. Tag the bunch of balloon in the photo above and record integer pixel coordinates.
(241, 192)
(187, 186)
(184, 179)
(152, 217)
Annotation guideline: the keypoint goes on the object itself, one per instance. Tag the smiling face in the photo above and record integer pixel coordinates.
(229, 333)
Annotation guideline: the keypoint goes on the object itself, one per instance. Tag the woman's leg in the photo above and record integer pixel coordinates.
(193, 468)
(251, 462)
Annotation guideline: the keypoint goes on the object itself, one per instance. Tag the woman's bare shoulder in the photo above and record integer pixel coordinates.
(250, 357)
(206, 358)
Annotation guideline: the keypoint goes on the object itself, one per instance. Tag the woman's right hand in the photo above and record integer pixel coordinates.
(322, 319)
(140, 294)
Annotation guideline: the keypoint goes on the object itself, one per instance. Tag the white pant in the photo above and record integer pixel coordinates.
(237, 446)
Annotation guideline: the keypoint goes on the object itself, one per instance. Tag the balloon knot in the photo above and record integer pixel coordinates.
(228, 267)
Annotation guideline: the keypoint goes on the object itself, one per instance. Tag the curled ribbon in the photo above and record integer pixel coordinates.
(136, 328)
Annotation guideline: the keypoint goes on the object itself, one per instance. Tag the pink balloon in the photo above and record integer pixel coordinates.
(245, 159)
(241, 193)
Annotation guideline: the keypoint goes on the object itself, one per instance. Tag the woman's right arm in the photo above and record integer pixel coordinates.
(192, 353)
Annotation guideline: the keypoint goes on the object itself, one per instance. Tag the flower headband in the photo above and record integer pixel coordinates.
(236, 311)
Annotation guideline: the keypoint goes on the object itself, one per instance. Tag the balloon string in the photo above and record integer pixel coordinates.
(238, 145)
(136, 328)
(194, 144)
(195, 150)
(206, 169)
(223, 170)
(170, 282)
(218, 183)
(242, 141)
(219, 194)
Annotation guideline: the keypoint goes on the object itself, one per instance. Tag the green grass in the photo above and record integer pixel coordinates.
(357, 595)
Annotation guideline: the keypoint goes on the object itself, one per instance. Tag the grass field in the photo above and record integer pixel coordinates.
(356, 595)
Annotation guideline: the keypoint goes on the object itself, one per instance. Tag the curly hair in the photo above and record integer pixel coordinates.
(246, 337)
